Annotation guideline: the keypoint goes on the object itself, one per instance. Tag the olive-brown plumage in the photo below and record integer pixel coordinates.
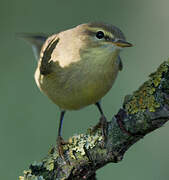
(77, 67)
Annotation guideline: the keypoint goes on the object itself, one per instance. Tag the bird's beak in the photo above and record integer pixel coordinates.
(122, 43)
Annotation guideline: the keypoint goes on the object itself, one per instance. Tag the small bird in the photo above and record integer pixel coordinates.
(77, 67)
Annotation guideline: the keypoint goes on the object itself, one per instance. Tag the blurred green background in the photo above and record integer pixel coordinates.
(29, 120)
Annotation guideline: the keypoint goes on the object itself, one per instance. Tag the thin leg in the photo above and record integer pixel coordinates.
(102, 122)
(61, 123)
(60, 140)
(99, 108)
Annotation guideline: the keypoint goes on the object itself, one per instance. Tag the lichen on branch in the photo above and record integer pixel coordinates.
(142, 112)
(146, 97)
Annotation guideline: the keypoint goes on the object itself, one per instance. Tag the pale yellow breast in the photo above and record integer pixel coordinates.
(81, 83)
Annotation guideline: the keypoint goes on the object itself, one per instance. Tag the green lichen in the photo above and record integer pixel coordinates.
(21, 178)
(145, 97)
(78, 143)
(49, 164)
(29, 176)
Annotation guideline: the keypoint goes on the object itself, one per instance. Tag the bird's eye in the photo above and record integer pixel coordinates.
(100, 34)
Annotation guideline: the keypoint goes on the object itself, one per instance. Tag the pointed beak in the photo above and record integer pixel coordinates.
(122, 43)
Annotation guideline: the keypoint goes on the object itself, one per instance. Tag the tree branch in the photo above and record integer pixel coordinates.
(143, 112)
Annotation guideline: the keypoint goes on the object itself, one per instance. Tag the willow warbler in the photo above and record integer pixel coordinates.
(77, 67)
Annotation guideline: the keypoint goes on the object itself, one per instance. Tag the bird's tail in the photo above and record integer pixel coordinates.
(36, 41)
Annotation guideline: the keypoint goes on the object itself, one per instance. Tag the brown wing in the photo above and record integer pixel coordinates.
(45, 66)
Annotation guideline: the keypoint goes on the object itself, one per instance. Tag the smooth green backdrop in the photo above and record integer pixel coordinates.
(29, 120)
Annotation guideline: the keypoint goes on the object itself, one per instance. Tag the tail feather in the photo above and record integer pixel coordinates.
(36, 41)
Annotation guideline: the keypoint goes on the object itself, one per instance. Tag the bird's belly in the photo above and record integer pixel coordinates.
(76, 92)
(83, 95)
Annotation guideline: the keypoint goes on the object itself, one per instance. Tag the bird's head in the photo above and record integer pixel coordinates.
(102, 37)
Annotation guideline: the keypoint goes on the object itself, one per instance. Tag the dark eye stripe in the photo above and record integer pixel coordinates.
(107, 38)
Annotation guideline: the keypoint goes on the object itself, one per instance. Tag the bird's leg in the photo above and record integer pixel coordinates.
(102, 122)
(60, 141)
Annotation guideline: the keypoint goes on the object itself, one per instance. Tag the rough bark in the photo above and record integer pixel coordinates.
(142, 112)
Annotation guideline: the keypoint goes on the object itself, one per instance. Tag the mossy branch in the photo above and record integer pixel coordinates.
(143, 112)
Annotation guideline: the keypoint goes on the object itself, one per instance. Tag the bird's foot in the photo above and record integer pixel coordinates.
(60, 144)
(102, 124)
